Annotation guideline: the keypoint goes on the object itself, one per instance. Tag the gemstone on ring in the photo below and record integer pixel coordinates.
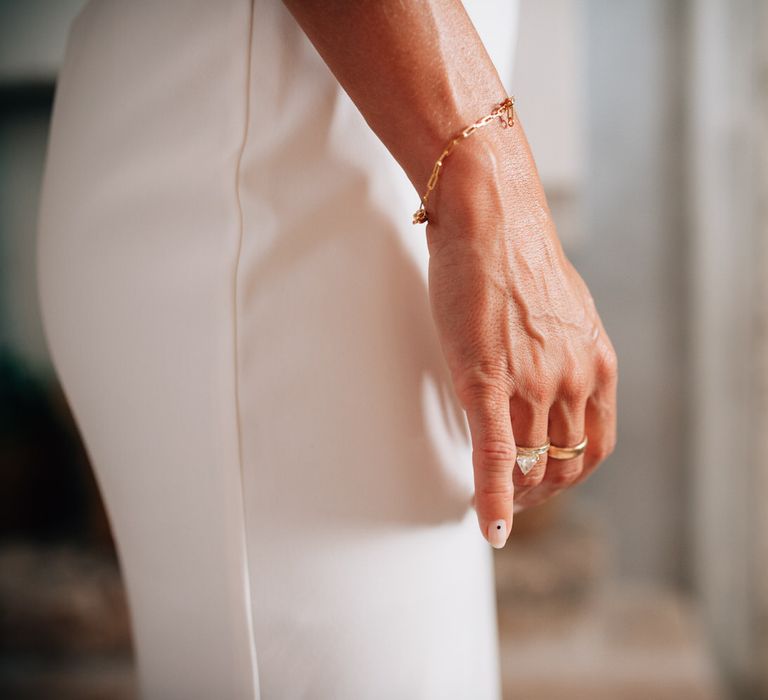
(528, 457)
(527, 462)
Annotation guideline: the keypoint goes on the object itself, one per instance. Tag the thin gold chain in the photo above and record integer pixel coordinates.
(505, 111)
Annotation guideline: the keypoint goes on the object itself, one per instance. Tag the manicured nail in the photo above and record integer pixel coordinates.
(497, 533)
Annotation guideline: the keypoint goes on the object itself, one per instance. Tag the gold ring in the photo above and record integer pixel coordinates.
(568, 452)
(528, 457)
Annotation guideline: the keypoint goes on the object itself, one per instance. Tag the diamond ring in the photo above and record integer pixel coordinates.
(528, 457)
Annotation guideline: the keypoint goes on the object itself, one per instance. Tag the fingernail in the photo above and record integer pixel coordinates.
(497, 533)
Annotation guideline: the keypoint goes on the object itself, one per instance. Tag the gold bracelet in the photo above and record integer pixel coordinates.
(505, 111)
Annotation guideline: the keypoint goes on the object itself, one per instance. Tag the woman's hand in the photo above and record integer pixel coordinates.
(528, 354)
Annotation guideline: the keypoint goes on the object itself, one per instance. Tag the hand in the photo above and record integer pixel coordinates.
(528, 354)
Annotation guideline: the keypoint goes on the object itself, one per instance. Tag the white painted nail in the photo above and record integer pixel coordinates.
(497, 533)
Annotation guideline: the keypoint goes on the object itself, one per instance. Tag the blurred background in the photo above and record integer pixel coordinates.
(649, 123)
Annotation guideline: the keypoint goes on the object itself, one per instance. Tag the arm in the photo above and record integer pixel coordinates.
(417, 71)
(528, 355)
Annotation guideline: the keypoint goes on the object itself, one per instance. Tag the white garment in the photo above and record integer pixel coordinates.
(235, 301)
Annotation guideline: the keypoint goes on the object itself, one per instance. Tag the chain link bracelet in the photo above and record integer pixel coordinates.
(505, 111)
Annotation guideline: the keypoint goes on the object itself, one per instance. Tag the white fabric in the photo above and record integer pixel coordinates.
(235, 301)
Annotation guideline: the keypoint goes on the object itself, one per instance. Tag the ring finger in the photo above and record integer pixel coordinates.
(566, 429)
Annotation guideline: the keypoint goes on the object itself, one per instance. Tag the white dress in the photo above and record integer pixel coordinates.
(235, 301)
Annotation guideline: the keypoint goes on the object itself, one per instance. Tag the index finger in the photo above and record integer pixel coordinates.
(493, 459)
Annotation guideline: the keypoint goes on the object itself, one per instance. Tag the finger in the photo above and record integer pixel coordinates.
(566, 429)
(493, 456)
(529, 426)
(567, 426)
(600, 424)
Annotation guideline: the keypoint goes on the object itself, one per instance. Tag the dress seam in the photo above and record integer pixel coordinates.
(236, 344)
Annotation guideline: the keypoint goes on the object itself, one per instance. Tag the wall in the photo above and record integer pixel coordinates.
(633, 258)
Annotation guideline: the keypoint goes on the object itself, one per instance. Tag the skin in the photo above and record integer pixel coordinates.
(528, 354)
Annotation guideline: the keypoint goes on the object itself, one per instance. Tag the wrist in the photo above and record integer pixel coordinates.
(489, 188)
(474, 179)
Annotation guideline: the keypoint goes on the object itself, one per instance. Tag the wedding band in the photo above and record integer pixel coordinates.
(568, 452)
(528, 457)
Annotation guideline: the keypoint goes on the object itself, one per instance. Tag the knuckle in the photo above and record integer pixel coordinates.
(574, 387)
(607, 362)
(494, 475)
(481, 385)
(495, 455)
(496, 485)
(598, 456)
(538, 391)
(603, 450)
(591, 462)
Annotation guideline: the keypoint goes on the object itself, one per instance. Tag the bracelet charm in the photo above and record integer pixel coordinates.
(505, 111)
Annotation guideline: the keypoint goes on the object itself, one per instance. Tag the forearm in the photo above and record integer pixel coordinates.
(416, 69)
